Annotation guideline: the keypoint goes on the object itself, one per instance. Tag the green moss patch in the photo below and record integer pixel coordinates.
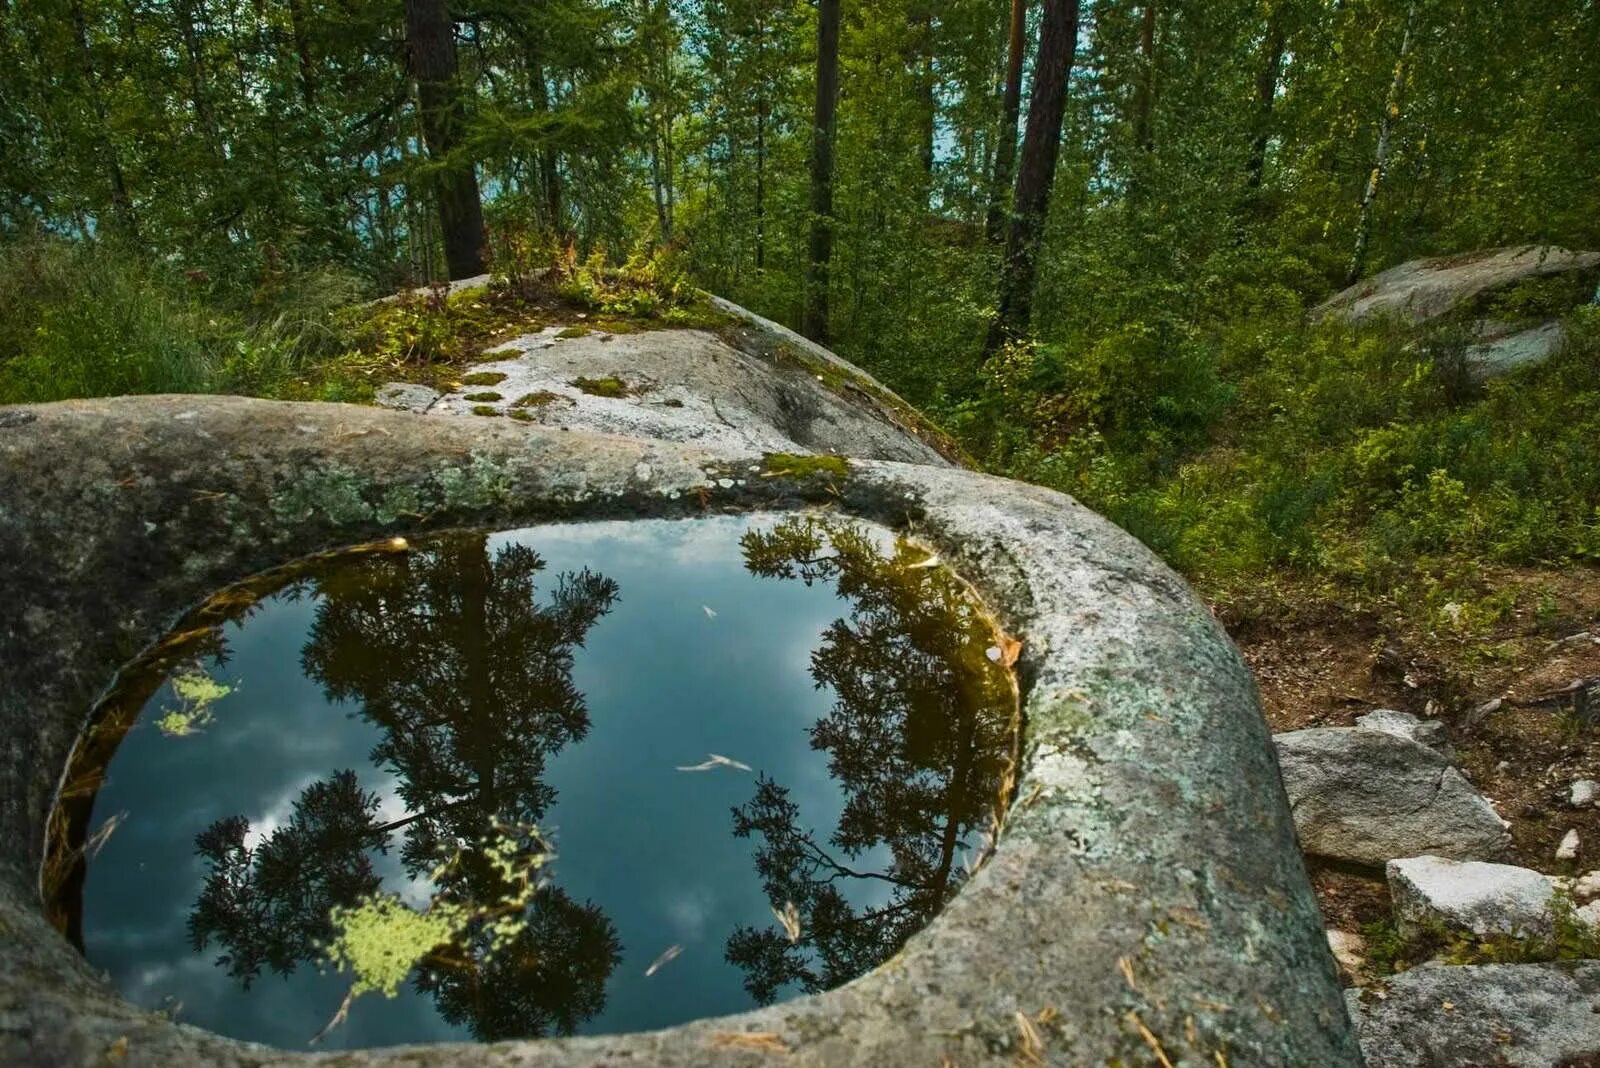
(487, 395)
(483, 378)
(574, 331)
(609, 386)
(795, 465)
(486, 410)
(537, 399)
(521, 415)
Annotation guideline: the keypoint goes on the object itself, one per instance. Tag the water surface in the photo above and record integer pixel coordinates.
(573, 779)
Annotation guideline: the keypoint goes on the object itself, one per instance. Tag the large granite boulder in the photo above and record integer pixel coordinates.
(1426, 289)
(1511, 1015)
(751, 386)
(1369, 796)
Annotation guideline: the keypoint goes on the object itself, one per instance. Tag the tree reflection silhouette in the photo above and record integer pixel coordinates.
(470, 679)
(919, 738)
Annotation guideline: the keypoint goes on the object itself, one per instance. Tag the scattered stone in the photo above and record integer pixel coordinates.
(406, 396)
(1513, 1015)
(1426, 289)
(1482, 712)
(1367, 797)
(1507, 349)
(1586, 887)
(1404, 725)
(1469, 895)
(1568, 849)
(1349, 953)
(1584, 792)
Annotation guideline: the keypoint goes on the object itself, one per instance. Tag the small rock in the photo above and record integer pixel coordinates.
(1469, 895)
(1349, 953)
(406, 396)
(1405, 725)
(1568, 849)
(1368, 797)
(1586, 887)
(1584, 792)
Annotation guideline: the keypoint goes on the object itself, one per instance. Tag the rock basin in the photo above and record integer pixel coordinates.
(1145, 899)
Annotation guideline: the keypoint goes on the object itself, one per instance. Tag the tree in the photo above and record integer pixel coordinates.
(1041, 142)
(469, 679)
(919, 738)
(1380, 158)
(1010, 110)
(431, 46)
(822, 141)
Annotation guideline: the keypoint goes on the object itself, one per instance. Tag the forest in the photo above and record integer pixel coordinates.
(1083, 237)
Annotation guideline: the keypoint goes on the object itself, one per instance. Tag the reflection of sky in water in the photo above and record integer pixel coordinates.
(666, 683)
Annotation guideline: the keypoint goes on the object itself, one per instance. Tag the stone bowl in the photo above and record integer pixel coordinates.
(1145, 902)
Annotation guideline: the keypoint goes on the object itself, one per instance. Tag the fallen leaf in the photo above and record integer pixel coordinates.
(667, 956)
(765, 1041)
(338, 1017)
(1032, 1044)
(789, 916)
(710, 612)
(931, 561)
(1150, 1039)
(717, 761)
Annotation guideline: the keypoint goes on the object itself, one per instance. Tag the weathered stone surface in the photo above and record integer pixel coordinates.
(1583, 792)
(1369, 796)
(1503, 350)
(1470, 895)
(688, 386)
(1425, 289)
(1509, 1015)
(1428, 732)
(406, 397)
(1160, 841)
(1349, 953)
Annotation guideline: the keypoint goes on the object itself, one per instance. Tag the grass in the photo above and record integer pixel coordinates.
(84, 319)
(1274, 461)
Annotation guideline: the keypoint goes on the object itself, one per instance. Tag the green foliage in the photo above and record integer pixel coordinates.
(1568, 938)
(196, 693)
(89, 320)
(651, 284)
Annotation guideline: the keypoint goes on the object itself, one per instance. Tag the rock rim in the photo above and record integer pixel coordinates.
(1145, 894)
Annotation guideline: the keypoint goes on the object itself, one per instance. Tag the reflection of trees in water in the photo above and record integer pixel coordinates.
(919, 738)
(469, 679)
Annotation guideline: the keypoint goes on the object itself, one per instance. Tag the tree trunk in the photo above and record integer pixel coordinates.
(761, 185)
(1267, 92)
(1005, 156)
(1380, 159)
(1144, 101)
(815, 318)
(121, 202)
(1036, 170)
(927, 87)
(549, 162)
(430, 39)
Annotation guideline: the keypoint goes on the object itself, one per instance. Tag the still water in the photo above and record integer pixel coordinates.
(566, 780)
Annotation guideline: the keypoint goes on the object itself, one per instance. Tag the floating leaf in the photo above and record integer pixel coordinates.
(667, 956)
(717, 761)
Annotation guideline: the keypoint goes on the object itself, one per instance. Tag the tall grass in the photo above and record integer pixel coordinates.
(87, 320)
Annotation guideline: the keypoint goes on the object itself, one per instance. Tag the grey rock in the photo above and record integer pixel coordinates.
(1510, 1015)
(1425, 289)
(1368, 797)
(1349, 952)
(1470, 895)
(10, 417)
(1428, 732)
(1504, 350)
(1568, 849)
(1583, 793)
(1164, 839)
(694, 386)
(406, 396)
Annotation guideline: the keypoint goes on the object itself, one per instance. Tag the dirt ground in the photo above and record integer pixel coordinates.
(1501, 688)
